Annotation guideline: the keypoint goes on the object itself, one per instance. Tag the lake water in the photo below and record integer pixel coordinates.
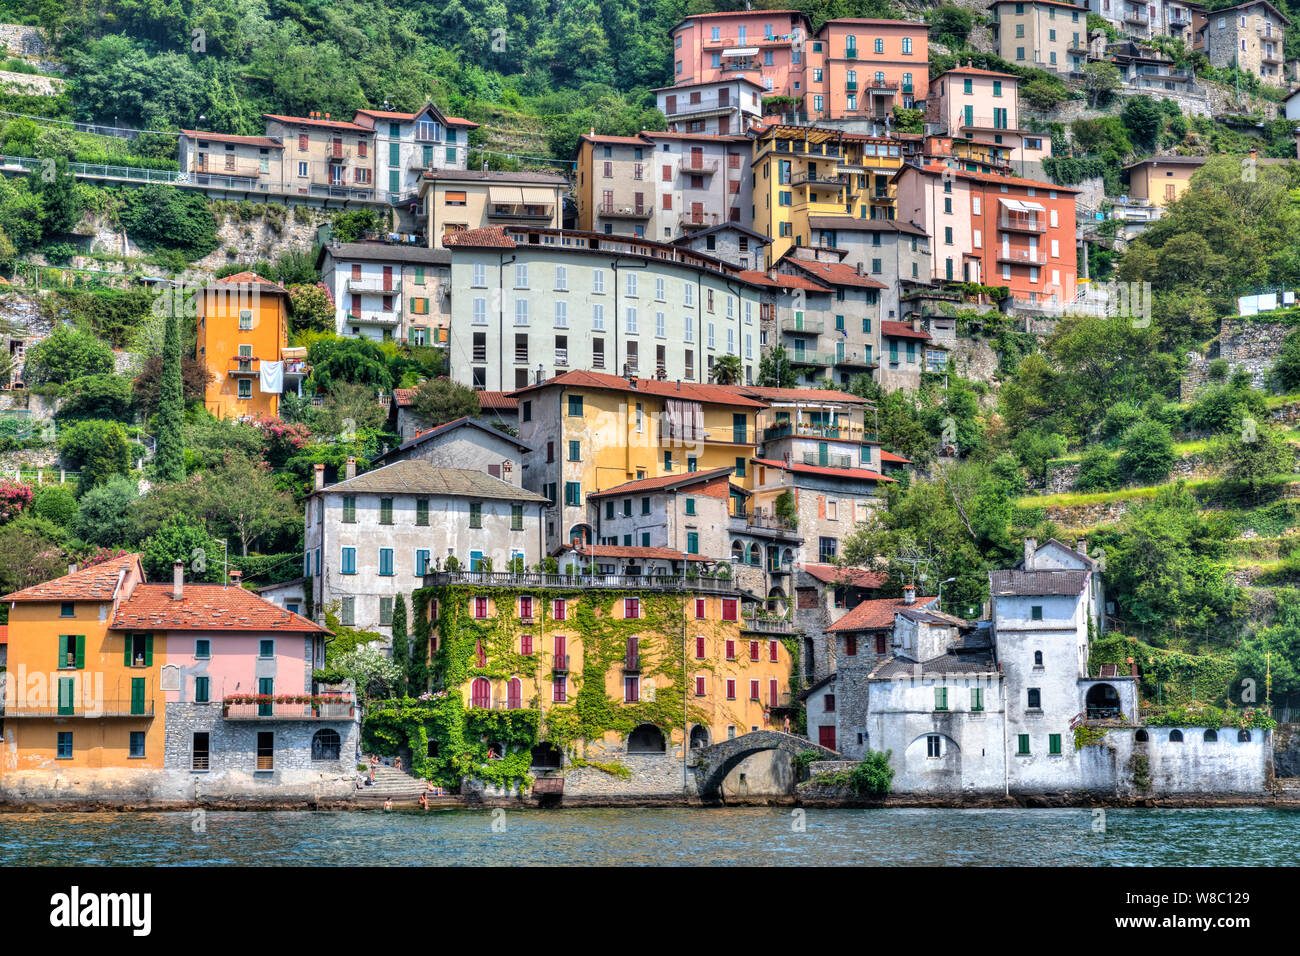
(665, 837)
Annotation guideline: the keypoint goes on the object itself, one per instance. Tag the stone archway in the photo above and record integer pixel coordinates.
(712, 764)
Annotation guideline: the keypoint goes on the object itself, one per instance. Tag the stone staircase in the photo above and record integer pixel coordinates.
(389, 782)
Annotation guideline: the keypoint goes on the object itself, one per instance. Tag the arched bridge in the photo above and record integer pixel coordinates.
(712, 764)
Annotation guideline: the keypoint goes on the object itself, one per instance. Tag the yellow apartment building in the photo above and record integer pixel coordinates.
(458, 200)
(803, 171)
(80, 695)
(242, 340)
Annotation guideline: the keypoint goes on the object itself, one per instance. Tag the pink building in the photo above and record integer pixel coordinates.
(982, 108)
(863, 68)
(765, 46)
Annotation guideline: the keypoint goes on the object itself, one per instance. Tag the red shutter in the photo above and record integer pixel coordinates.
(514, 694)
(728, 609)
(480, 653)
(356, 270)
(356, 306)
(731, 650)
(753, 690)
(880, 643)
(525, 644)
(753, 650)
(668, 174)
(302, 141)
(480, 693)
(699, 608)
(773, 694)
(670, 104)
(851, 645)
(559, 609)
(699, 648)
(772, 645)
(668, 200)
(731, 688)
(699, 687)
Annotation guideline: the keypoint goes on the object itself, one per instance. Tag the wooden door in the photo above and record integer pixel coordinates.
(826, 737)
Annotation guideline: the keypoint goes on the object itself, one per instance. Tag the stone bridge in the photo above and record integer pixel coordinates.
(712, 764)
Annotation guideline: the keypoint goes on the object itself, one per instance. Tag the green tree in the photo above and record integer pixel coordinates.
(401, 644)
(727, 370)
(181, 539)
(55, 503)
(1286, 368)
(60, 205)
(1144, 120)
(29, 554)
(1272, 653)
(950, 21)
(441, 400)
(775, 370)
(66, 354)
(1147, 453)
(104, 513)
(169, 457)
(170, 218)
(96, 396)
(1098, 471)
(1253, 454)
(1100, 80)
(311, 308)
(98, 448)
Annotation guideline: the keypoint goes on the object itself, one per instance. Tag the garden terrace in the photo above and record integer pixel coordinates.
(539, 579)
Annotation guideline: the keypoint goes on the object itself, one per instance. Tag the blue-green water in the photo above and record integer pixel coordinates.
(665, 837)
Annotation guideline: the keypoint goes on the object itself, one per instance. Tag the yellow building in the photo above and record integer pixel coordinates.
(79, 694)
(242, 338)
(1162, 179)
(803, 171)
(592, 432)
(675, 662)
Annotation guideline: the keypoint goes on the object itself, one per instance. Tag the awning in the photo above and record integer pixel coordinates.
(534, 196)
(506, 195)
(1021, 206)
(741, 51)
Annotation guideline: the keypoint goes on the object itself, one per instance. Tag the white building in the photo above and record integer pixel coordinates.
(536, 302)
(384, 291)
(374, 536)
(408, 144)
(720, 107)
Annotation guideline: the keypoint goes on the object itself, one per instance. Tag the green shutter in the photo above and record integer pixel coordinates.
(148, 650)
(63, 651)
(126, 653)
(81, 651)
(65, 695)
(137, 695)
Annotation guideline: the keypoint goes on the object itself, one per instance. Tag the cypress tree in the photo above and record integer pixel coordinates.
(401, 646)
(169, 461)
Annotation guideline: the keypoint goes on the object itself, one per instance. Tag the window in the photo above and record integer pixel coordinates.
(475, 515)
(385, 510)
(348, 611)
(480, 608)
(386, 562)
(575, 405)
(1036, 612)
(202, 648)
(729, 609)
(1054, 744)
(1038, 658)
(699, 686)
(827, 548)
(386, 611)
(977, 698)
(631, 690)
(202, 690)
(631, 608)
(731, 688)
(573, 493)
(348, 562)
(1034, 698)
(851, 645)
(730, 649)
(421, 562)
(941, 698)
(1022, 745)
(72, 651)
(65, 745)
(349, 509)
(575, 450)
(1175, 736)
(559, 609)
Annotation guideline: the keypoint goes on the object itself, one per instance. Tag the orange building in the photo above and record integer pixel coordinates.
(765, 46)
(243, 335)
(80, 694)
(863, 68)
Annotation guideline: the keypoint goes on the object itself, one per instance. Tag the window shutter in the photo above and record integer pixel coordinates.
(63, 651)
(81, 651)
(148, 651)
(699, 647)
(126, 653)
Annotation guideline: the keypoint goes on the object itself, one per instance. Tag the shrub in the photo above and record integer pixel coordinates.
(55, 503)
(1147, 453)
(96, 396)
(170, 218)
(98, 448)
(66, 354)
(1099, 471)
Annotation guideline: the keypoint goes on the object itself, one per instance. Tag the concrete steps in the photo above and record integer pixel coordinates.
(397, 784)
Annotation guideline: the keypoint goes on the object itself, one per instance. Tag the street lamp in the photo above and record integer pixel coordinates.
(941, 584)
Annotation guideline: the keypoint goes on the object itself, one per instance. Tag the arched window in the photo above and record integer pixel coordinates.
(514, 694)
(737, 552)
(646, 739)
(1175, 736)
(325, 745)
(755, 557)
(1243, 736)
(699, 736)
(1038, 658)
(1211, 736)
(1141, 735)
(480, 694)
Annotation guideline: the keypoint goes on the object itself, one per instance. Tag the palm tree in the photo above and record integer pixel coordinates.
(727, 370)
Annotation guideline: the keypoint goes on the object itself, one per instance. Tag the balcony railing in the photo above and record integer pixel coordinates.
(997, 124)
(632, 663)
(296, 368)
(244, 367)
(1136, 16)
(1022, 223)
(696, 164)
(580, 581)
(1022, 256)
(562, 357)
(376, 285)
(508, 211)
(560, 664)
(798, 326)
(624, 211)
(767, 625)
(805, 357)
(839, 180)
(505, 703)
(831, 461)
(290, 707)
(375, 317)
(698, 220)
(338, 154)
(762, 521)
(80, 709)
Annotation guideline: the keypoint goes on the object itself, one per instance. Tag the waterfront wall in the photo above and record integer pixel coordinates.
(115, 787)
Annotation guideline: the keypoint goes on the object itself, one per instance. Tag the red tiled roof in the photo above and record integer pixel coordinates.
(891, 457)
(264, 141)
(498, 401)
(708, 137)
(836, 273)
(460, 121)
(613, 140)
(876, 614)
(901, 330)
(490, 236)
(206, 607)
(799, 394)
(854, 577)
(625, 551)
(309, 121)
(782, 281)
(403, 396)
(859, 473)
(388, 114)
(663, 481)
(95, 583)
(976, 71)
(688, 391)
(989, 178)
(252, 278)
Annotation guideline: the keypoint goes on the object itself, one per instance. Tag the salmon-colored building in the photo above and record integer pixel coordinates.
(765, 46)
(861, 68)
(980, 109)
(995, 230)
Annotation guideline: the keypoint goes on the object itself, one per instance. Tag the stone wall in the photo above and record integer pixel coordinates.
(973, 359)
(1062, 475)
(1253, 346)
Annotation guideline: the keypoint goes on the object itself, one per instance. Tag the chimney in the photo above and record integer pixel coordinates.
(236, 576)
(350, 467)
(1082, 546)
(72, 569)
(327, 116)
(593, 131)
(178, 580)
(859, 268)
(320, 477)
(909, 594)
(916, 323)
(1132, 667)
(1031, 546)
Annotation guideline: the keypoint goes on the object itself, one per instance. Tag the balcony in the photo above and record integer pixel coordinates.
(1137, 16)
(827, 461)
(698, 165)
(632, 664)
(244, 170)
(1179, 18)
(849, 430)
(697, 220)
(851, 53)
(806, 357)
(580, 581)
(986, 123)
(767, 625)
(1027, 257)
(1271, 56)
(907, 88)
(759, 522)
(837, 180)
(624, 211)
(296, 368)
(851, 86)
(336, 190)
(338, 154)
(562, 358)
(374, 317)
(521, 355)
(1013, 223)
(797, 325)
(854, 360)
(289, 707)
(79, 709)
(503, 703)
(375, 285)
(241, 366)
(522, 211)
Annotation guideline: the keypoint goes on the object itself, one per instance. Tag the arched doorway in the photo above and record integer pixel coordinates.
(699, 736)
(326, 745)
(1102, 702)
(646, 739)
(581, 532)
(546, 756)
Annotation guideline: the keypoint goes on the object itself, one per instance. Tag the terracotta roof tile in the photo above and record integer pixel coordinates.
(781, 280)
(901, 330)
(875, 614)
(662, 482)
(419, 477)
(688, 391)
(625, 551)
(95, 583)
(344, 125)
(854, 577)
(206, 607)
(498, 401)
(263, 141)
(895, 459)
(836, 273)
(493, 237)
(767, 394)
